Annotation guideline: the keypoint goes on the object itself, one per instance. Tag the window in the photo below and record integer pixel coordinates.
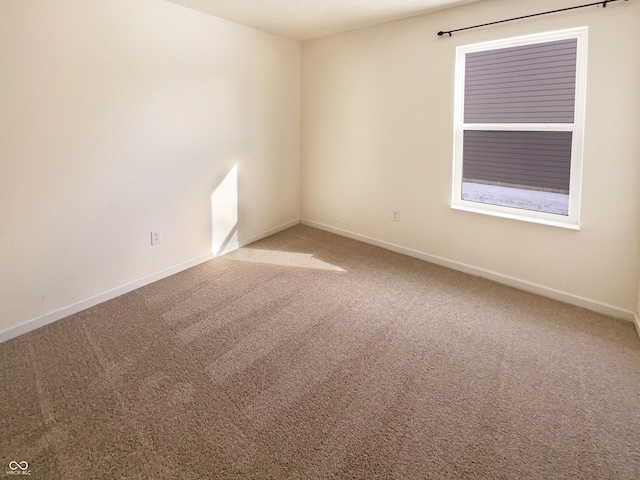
(519, 120)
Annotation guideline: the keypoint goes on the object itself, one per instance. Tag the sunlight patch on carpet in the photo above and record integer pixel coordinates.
(275, 257)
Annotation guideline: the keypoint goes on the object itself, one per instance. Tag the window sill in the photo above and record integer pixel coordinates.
(515, 216)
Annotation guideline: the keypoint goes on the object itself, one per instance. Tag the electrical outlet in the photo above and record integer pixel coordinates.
(395, 216)
(156, 237)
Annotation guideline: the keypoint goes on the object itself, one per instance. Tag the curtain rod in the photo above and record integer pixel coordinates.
(602, 2)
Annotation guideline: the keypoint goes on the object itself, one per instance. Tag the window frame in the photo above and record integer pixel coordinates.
(572, 220)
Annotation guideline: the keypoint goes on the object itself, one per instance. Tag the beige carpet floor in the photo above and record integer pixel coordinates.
(311, 356)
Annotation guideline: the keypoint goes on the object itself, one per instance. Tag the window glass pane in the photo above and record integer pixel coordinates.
(525, 84)
(520, 169)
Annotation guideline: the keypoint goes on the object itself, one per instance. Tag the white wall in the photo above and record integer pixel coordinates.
(636, 318)
(122, 116)
(377, 136)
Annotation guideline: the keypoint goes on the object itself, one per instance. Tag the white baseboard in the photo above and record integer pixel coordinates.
(480, 272)
(636, 322)
(63, 312)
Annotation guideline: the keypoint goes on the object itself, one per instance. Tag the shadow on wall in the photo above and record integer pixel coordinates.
(224, 214)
